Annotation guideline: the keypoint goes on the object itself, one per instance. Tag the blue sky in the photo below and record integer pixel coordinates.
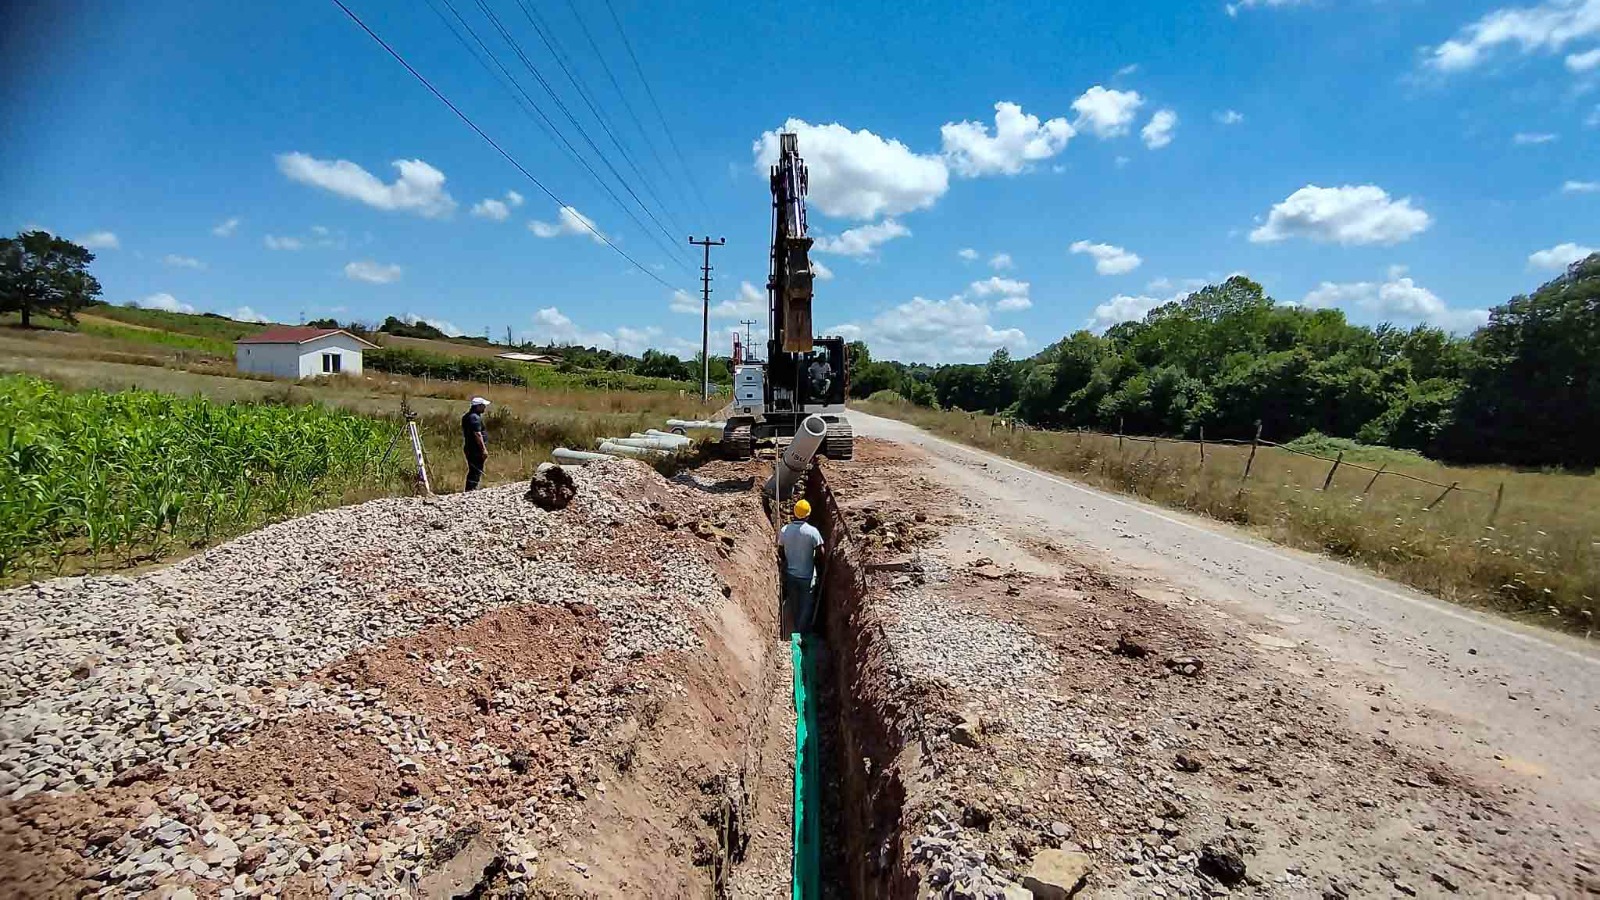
(981, 175)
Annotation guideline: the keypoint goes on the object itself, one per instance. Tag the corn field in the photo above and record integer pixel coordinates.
(89, 479)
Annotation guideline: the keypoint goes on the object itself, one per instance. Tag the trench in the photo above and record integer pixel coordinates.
(850, 777)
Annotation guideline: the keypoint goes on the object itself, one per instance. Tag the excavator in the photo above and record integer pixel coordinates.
(803, 375)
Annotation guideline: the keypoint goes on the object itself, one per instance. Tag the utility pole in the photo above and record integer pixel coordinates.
(747, 323)
(508, 335)
(705, 314)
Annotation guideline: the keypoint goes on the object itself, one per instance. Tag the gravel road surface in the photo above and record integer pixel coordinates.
(1516, 706)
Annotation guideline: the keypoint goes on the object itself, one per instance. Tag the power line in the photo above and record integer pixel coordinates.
(672, 141)
(547, 35)
(622, 95)
(516, 48)
(491, 141)
(554, 132)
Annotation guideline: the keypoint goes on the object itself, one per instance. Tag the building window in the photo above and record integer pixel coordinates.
(330, 363)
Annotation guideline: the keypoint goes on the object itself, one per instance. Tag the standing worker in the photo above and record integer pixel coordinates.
(798, 545)
(473, 444)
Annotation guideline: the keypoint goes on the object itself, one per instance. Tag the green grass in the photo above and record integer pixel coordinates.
(200, 325)
(1518, 542)
(177, 340)
(1322, 445)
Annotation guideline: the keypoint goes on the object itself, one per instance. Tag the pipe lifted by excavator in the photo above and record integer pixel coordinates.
(796, 457)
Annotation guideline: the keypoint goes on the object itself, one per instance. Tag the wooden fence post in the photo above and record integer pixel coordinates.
(1120, 422)
(1254, 443)
(1329, 480)
(1374, 478)
(1441, 496)
(1499, 495)
(1202, 446)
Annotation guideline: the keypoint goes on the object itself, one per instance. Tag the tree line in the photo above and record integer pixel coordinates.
(1524, 389)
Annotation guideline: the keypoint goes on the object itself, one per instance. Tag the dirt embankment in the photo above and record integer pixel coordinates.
(1015, 717)
(464, 694)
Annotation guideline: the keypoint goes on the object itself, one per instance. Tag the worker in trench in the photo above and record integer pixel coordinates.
(799, 542)
(474, 444)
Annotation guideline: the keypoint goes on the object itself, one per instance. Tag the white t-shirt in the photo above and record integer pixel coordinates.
(799, 541)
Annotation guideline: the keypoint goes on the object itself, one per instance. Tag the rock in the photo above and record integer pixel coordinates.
(1443, 879)
(465, 873)
(1061, 830)
(976, 815)
(991, 572)
(1186, 763)
(968, 732)
(1405, 888)
(1013, 891)
(1222, 864)
(1129, 646)
(551, 487)
(1189, 666)
(1056, 874)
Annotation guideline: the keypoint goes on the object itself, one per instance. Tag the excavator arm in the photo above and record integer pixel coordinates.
(789, 284)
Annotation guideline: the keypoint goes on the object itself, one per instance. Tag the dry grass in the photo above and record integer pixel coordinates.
(1538, 559)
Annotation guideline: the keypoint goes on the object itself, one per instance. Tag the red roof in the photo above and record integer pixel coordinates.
(295, 334)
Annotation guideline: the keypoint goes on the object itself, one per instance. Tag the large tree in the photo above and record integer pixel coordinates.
(42, 273)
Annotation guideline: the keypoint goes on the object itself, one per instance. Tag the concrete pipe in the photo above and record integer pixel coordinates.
(649, 443)
(792, 464)
(575, 457)
(615, 449)
(693, 423)
(668, 436)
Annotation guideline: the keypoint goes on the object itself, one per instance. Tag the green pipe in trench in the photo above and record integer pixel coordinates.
(806, 876)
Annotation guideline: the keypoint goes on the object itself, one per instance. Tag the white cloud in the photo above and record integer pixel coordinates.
(1581, 187)
(497, 210)
(1159, 284)
(1234, 8)
(1526, 138)
(99, 240)
(1557, 258)
(274, 242)
(857, 174)
(1128, 69)
(569, 221)
(552, 326)
(967, 253)
(863, 240)
(1351, 214)
(1157, 133)
(1229, 117)
(1583, 62)
(1009, 294)
(1107, 113)
(933, 331)
(371, 272)
(1546, 27)
(1125, 308)
(246, 314)
(1000, 262)
(182, 262)
(165, 302)
(492, 209)
(1398, 299)
(444, 326)
(822, 272)
(226, 228)
(685, 302)
(418, 189)
(1019, 138)
(1108, 259)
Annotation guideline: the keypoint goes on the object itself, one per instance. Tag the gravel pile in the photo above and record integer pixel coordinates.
(101, 675)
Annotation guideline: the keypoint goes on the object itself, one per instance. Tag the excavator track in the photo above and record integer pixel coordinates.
(839, 442)
(736, 442)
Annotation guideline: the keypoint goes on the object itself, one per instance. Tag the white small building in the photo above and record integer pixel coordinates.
(290, 351)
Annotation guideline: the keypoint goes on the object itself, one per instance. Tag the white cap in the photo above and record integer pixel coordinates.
(479, 401)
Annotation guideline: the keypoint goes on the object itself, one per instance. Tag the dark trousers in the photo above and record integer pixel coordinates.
(475, 461)
(799, 599)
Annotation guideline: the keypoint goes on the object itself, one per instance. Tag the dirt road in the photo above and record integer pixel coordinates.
(1515, 707)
